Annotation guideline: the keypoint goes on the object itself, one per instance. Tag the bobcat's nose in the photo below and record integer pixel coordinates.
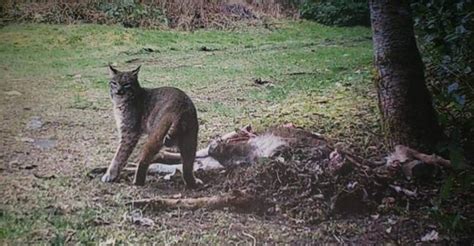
(120, 92)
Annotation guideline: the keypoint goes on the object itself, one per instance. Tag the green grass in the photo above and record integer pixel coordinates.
(323, 55)
(45, 50)
(320, 80)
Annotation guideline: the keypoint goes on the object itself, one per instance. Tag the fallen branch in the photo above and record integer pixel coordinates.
(166, 157)
(300, 73)
(47, 177)
(236, 199)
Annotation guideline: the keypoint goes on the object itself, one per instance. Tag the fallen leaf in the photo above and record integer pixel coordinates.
(352, 185)
(260, 81)
(26, 140)
(13, 93)
(136, 217)
(176, 196)
(403, 190)
(109, 241)
(430, 236)
(98, 221)
(29, 167)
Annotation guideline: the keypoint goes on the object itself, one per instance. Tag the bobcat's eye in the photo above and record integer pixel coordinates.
(113, 83)
(126, 86)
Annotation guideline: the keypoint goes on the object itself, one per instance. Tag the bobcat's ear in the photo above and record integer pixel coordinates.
(112, 71)
(135, 72)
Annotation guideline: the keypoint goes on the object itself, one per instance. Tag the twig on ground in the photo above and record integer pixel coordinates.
(236, 199)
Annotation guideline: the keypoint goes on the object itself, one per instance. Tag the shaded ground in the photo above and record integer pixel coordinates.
(57, 124)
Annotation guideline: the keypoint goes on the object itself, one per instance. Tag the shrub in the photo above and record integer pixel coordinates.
(182, 14)
(337, 12)
(133, 14)
(128, 12)
(445, 34)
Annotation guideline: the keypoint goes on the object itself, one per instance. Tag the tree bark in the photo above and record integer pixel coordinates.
(405, 103)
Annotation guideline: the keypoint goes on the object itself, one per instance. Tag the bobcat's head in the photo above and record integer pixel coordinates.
(123, 84)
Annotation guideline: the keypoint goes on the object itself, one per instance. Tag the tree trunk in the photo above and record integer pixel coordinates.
(405, 103)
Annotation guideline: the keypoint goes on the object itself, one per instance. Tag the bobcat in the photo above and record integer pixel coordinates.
(166, 114)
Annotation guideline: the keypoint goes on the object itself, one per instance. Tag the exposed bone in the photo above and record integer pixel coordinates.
(235, 199)
(407, 192)
(205, 163)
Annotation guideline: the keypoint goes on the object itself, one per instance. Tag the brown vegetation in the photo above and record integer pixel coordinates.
(181, 14)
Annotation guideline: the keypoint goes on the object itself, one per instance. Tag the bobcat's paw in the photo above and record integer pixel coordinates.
(107, 178)
(140, 176)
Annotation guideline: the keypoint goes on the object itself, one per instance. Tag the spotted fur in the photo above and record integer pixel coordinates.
(166, 114)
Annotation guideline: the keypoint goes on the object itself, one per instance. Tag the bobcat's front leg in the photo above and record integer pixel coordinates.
(125, 148)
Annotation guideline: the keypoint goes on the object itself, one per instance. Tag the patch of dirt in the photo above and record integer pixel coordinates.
(340, 199)
(355, 203)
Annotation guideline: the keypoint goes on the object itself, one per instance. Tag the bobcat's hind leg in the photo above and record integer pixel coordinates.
(150, 149)
(187, 148)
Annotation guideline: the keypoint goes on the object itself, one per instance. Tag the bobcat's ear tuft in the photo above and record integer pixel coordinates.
(135, 72)
(112, 71)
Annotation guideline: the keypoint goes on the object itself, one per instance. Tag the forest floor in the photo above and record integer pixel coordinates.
(57, 125)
